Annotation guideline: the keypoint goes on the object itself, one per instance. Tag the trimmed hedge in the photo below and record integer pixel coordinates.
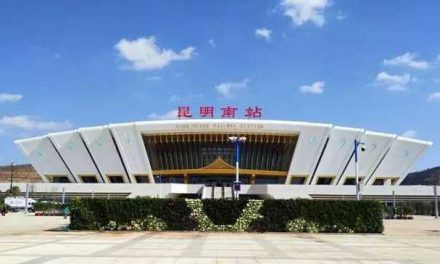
(93, 214)
(331, 216)
(273, 215)
(48, 206)
(223, 212)
(405, 210)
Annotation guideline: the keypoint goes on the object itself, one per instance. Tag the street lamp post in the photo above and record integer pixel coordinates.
(436, 198)
(12, 176)
(237, 141)
(159, 177)
(358, 187)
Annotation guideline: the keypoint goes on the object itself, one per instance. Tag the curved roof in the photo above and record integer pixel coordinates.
(322, 150)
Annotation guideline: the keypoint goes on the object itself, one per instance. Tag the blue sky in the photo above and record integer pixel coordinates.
(367, 64)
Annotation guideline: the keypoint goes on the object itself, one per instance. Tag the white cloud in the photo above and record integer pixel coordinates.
(393, 82)
(29, 123)
(196, 96)
(409, 133)
(315, 88)
(340, 16)
(5, 97)
(168, 115)
(175, 98)
(263, 33)
(434, 97)
(144, 54)
(212, 43)
(301, 11)
(408, 59)
(153, 78)
(229, 89)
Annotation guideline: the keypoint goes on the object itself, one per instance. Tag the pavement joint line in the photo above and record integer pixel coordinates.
(40, 244)
(195, 247)
(121, 245)
(352, 249)
(411, 245)
(271, 248)
(41, 259)
(51, 257)
(30, 246)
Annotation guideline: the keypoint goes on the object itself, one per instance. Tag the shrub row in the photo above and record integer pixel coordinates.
(270, 216)
(92, 214)
(47, 206)
(223, 212)
(329, 216)
(406, 210)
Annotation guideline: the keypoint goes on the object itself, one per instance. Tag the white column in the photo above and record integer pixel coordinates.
(236, 175)
(26, 199)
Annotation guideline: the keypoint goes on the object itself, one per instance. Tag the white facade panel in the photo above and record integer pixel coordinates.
(74, 152)
(337, 152)
(132, 149)
(310, 144)
(376, 145)
(225, 126)
(402, 154)
(43, 157)
(93, 151)
(100, 144)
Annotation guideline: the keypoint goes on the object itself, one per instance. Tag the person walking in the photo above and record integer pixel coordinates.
(3, 211)
(66, 211)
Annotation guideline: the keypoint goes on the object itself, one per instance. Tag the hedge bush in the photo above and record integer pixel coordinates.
(48, 206)
(227, 215)
(331, 216)
(405, 210)
(223, 212)
(248, 215)
(95, 214)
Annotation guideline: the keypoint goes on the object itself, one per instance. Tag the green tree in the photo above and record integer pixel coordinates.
(2, 199)
(15, 191)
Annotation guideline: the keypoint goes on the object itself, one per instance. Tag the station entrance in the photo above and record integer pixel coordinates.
(217, 180)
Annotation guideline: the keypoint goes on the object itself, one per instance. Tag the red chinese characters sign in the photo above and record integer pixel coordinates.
(225, 112)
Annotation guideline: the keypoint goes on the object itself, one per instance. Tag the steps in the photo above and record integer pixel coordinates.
(207, 192)
(217, 192)
(228, 193)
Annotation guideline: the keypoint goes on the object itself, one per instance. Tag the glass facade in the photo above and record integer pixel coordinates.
(324, 181)
(298, 180)
(270, 180)
(89, 179)
(194, 151)
(219, 180)
(115, 179)
(58, 179)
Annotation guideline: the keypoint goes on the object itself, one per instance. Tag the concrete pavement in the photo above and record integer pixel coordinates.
(404, 241)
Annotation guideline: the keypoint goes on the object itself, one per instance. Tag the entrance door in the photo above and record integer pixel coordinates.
(217, 180)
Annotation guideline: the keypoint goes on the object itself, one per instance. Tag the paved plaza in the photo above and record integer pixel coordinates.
(23, 240)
